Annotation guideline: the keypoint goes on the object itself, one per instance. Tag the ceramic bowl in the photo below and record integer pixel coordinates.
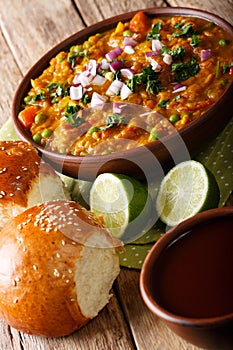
(134, 162)
(215, 331)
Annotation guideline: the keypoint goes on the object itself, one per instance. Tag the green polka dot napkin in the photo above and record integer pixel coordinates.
(217, 156)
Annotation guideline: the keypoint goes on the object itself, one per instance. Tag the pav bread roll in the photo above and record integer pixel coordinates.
(57, 267)
(25, 180)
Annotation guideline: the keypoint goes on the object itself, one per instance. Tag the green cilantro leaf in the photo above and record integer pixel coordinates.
(155, 31)
(183, 71)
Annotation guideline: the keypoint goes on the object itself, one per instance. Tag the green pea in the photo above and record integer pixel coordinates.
(87, 45)
(46, 133)
(222, 42)
(37, 138)
(40, 118)
(27, 99)
(92, 130)
(105, 152)
(174, 118)
(60, 59)
(154, 136)
(127, 33)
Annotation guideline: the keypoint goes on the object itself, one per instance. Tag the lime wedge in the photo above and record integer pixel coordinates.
(120, 200)
(186, 190)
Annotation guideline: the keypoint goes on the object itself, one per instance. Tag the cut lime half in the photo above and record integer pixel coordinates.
(186, 190)
(120, 200)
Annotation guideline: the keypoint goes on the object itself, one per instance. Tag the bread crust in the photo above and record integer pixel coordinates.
(20, 166)
(38, 254)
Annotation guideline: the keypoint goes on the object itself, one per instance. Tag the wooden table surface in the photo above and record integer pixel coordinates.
(28, 30)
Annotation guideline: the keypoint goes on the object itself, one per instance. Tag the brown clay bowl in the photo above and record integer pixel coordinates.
(214, 332)
(136, 162)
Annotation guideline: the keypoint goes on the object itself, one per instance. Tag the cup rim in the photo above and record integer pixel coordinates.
(156, 251)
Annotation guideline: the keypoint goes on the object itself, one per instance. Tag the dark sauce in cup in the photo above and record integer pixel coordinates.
(193, 277)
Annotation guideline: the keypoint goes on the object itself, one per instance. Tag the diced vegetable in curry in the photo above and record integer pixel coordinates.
(175, 66)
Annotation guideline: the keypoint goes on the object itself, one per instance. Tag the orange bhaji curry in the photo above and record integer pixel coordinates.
(176, 66)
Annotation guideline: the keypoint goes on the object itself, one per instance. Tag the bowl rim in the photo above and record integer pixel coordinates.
(155, 252)
(80, 36)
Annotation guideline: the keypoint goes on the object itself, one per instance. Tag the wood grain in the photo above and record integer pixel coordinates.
(221, 8)
(108, 329)
(147, 330)
(28, 30)
(10, 77)
(36, 27)
(97, 10)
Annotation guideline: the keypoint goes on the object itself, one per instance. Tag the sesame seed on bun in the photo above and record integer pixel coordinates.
(25, 180)
(57, 267)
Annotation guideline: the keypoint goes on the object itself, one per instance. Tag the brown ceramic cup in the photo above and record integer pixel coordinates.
(215, 332)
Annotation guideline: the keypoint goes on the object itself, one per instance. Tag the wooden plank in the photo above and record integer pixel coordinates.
(221, 8)
(10, 78)
(93, 11)
(9, 338)
(148, 331)
(32, 30)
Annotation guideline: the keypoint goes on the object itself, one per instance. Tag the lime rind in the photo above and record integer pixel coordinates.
(123, 202)
(187, 189)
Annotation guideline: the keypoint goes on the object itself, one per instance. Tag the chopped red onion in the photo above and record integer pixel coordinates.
(127, 73)
(205, 54)
(76, 92)
(155, 65)
(125, 92)
(114, 53)
(98, 80)
(97, 100)
(116, 65)
(118, 107)
(128, 41)
(152, 53)
(179, 88)
(129, 49)
(114, 88)
(156, 45)
(85, 78)
(167, 59)
(92, 67)
(102, 65)
(76, 80)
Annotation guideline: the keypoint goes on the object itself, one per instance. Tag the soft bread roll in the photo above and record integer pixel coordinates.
(25, 180)
(57, 266)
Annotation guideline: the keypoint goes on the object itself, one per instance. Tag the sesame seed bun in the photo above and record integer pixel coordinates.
(57, 267)
(25, 180)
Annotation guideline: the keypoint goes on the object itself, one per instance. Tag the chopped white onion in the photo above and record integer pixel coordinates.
(129, 49)
(127, 73)
(125, 92)
(114, 88)
(167, 59)
(76, 92)
(98, 80)
(114, 53)
(156, 45)
(97, 100)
